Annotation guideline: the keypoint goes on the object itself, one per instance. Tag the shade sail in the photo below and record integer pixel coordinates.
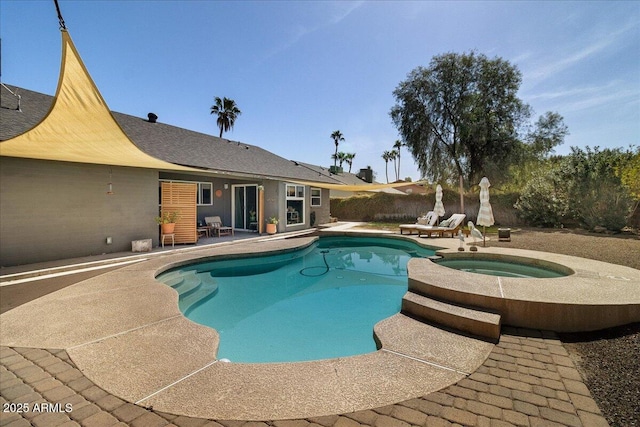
(355, 188)
(79, 127)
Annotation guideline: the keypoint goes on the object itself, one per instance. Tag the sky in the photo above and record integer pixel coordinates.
(299, 70)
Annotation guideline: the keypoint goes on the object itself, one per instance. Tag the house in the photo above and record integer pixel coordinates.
(77, 179)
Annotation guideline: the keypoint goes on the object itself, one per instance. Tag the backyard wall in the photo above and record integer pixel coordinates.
(393, 207)
(56, 210)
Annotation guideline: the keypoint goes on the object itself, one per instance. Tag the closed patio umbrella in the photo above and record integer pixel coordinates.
(438, 209)
(485, 215)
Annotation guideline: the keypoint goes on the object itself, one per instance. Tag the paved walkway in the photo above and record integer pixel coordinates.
(527, 380)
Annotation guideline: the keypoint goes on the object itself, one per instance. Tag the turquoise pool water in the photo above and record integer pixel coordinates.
(316, 303)
(500, 268)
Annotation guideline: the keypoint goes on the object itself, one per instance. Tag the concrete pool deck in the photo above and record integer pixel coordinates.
(134, 343)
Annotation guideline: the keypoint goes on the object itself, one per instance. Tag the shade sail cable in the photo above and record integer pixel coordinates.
(60, 18)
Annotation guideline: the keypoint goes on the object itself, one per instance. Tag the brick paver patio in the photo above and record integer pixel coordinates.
(527, 380)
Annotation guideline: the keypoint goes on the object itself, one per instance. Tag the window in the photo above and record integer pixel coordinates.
(316, 198)
(205, 193)
(295, 204)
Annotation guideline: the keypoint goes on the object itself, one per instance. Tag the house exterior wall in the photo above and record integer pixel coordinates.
(323, 212)
(56, 210)
(274, 203)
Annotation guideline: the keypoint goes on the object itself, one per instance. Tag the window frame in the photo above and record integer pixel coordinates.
(299, 195)
(318, 197)
(201, 185)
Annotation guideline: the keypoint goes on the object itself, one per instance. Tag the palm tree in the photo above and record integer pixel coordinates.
(349, 159)
(337, 137)
(398, 144)
(227, 112)
(341, 156)
(393, 155)
(386, 156)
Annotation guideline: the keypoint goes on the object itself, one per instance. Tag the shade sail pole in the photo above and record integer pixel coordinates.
(60, 18)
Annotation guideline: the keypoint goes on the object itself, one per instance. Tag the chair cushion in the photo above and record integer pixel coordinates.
(446, 223)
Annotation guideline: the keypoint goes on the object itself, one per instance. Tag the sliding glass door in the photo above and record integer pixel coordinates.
(245, 207)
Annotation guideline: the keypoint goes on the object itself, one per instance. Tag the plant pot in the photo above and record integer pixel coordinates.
(168, 228)
(272, 228)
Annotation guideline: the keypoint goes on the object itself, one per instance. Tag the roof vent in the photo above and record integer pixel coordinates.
(152, 117)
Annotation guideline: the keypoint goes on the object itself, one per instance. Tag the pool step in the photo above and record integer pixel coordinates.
(471, 320)
(187, 285)
(189, 302)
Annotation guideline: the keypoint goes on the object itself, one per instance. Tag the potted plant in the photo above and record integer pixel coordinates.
(272, 224)
(168, 221)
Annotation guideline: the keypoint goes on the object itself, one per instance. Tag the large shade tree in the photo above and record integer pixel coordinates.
(227, 112)
(461, 115)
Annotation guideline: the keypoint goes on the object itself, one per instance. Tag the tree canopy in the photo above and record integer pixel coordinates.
(461, 116)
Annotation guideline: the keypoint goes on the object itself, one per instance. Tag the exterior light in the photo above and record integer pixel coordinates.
(110, 184)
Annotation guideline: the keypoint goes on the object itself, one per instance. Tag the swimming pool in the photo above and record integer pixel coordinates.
(315, 303)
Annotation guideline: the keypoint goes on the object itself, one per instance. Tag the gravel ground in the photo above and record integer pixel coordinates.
(623, 249)
(608, 360)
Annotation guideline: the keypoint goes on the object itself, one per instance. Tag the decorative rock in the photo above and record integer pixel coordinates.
(141, 245)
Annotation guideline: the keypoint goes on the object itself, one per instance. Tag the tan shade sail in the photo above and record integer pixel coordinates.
(355, 188)
(80, 127)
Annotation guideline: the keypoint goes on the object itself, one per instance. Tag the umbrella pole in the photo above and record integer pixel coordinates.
(484, 236)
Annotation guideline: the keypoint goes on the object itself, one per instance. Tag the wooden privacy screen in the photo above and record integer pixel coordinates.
(181, 197)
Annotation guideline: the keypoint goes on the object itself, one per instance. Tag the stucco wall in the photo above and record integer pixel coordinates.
(323, 212)
(56, 210)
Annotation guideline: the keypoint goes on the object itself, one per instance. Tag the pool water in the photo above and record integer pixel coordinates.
(316, 303)
(500, 268)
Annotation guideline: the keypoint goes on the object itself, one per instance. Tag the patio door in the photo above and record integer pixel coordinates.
(245, 207)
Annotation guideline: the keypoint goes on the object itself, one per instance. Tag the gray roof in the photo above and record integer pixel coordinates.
(169, 143)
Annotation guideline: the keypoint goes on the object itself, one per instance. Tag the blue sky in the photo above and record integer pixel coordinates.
(300, 70)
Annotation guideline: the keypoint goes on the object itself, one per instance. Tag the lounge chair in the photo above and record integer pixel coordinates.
(215, 223)
(451, 225)
(428, 220)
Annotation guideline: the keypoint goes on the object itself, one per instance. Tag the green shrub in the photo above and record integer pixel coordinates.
(582, 187)
(543, 202)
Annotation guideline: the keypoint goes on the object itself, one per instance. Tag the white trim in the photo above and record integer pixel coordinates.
(311, 197)
(295, 198)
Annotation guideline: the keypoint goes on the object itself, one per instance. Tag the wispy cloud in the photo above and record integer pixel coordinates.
(344, 9)
(569, 100)
(568, 56)
(337, 12)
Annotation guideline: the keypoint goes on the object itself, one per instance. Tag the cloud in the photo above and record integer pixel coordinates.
(343, 9)
(336, 13)
(568, 56)
(586, 97)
